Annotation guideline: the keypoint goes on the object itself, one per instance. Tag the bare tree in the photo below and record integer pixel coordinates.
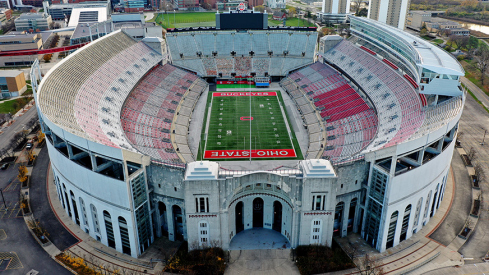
(482, 57)
(479, 172)
(369, 266)
(460, 41)
(471, 154)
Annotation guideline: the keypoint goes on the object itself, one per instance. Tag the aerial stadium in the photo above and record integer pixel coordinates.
(211, 133)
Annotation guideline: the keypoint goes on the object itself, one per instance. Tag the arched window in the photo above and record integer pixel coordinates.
(109, 230)
(316, 231)
(84, 211)
(405, 223)
(126, 245)
(75, 209)
(96, 226)
(392, 230)
(427, 205)
(416, 214)
(203, 233)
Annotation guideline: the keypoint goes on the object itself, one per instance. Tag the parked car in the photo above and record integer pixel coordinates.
(4, 166)
(29, 146)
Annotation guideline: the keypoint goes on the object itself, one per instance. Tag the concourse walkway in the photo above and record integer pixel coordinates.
(259, 238)
(260, 251)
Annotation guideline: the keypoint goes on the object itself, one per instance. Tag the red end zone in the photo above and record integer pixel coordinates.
(263, 153)
(246, 94)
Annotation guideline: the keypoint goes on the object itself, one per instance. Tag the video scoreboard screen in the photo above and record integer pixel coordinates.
(232, 21)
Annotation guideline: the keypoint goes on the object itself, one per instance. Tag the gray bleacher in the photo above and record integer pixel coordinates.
(224, 42)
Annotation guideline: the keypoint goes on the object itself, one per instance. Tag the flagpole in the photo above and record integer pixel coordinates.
(249, 85)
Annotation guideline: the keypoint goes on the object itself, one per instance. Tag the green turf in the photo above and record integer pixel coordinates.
(227, 132)
(290, 22)
(223, 86)
(188, 19)
(208, 19)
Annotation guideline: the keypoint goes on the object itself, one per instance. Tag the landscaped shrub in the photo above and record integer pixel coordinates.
(198, 262)
(316, 259)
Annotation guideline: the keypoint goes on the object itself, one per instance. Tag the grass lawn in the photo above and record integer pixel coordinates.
(7, 107)
(290, 22)
(229, 127)
(437, 41)
(473, 74)
(184, 20)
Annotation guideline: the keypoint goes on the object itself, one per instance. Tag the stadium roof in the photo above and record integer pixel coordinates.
(430, 56)
(87, 15)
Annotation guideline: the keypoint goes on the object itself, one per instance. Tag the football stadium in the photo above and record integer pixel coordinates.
(212, 133)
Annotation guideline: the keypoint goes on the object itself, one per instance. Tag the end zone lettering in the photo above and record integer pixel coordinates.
(263, 153)
(246, 94)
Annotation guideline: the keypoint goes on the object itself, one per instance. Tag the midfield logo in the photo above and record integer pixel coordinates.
(263, 153)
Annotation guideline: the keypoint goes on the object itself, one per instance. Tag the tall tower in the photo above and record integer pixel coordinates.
(336, 6)
(391, 12)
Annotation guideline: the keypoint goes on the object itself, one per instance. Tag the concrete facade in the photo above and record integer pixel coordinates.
(390, 12)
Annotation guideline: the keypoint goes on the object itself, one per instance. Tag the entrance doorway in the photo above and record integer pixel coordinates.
(258, 212)
(164, 225)
(178, 223)
(277, 216)
(239, 217)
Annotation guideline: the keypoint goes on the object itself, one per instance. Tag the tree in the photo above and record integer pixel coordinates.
(47, 57)
(40, 136)
(471, 46)
(292, 11)
(482, 56)
(470, 4)
(260, 8)
(460, 41)
(479, 172)
(355, 5)
(369, 266)
(363, 12)
(22, 176)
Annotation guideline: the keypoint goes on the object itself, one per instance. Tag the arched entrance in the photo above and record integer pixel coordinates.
(351, 214)
(258, 212)
(178, 223)
(277, 216)
(239, 217)
(338, 219)
(164, 224)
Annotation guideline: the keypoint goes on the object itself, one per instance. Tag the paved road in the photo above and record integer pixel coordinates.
(62, 238)
(27, 253)
(477, 92)
(474, 120)
(461, 204)
(10, 131)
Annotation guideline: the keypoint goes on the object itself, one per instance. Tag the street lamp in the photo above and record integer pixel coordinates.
(485, 131)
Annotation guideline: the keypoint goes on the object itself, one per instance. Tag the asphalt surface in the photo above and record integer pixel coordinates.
(10, 131)
(473, 122)
(461, 204)
(30, 255)
(59, 236)
(477, 92)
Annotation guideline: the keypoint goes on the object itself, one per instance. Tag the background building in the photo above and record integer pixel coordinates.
(19, 42)
(390, 12)
(12, 83)
(33, 21)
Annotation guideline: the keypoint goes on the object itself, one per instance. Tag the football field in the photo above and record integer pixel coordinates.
(242, 123)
